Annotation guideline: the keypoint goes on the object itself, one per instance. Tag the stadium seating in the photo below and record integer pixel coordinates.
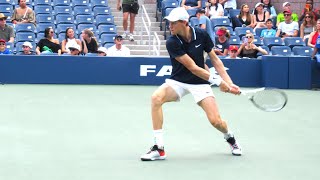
(194, 21)
(165, 4)
(42, 2)
(43, 9)
(61, 3)
(281, 50)
(272, 41)
(257, 41)
(80, 3)
(44, 18)
(106, 38)
(107, 29)
(99, 3)
(25, 36)
(98, 10)
(6, 8)
(234, 40)
(265, 48)
(293, 41)
(234, 12)
(224, 21)
(20, 49)
(241, 31)
(84, 19)
(82, 10)
(64, 19)
(62, 10)
(104, 19)
(26, 27)
(6, 2)
(259, 30)
(302, 50)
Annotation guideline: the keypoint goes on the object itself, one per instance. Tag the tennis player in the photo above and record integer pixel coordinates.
(186, 46)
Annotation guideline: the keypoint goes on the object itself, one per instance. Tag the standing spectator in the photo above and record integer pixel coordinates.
(286, 7)
(6, 31)
(23, 14)
(309, 8)
(204, 23)
(118, 49)
(269, 32)
(214, 9)
(75, 49)
(228, 4)
(27, 47)
(288, 28)
(3, 48)
(129, 8)
(69, 41)
(222, 42)
(244, 19)
(233, 52)
(307, 26)
(267, 6)
(102, 51)
(88, 42)
(314, 35)
(248, 49)
(191, 4)
(48, 44)
(260, 15)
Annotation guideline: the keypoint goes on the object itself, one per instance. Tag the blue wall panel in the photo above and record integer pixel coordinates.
(300, 72)
(275, 71)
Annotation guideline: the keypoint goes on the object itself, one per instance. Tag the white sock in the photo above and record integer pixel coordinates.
(158, 137)
(228, 135)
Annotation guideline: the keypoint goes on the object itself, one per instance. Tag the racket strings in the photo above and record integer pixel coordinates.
(269, 100)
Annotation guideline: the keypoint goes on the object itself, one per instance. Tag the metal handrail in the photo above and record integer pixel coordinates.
(156, 44)
(146, 24)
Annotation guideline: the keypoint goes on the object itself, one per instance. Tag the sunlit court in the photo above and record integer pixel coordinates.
(98, 132)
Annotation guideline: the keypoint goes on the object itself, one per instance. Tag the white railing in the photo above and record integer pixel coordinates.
(156, 44)
(146, 25)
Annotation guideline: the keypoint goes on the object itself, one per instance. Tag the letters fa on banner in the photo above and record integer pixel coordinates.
(165, 70)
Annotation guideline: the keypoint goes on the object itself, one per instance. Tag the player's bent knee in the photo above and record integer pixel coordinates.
(156, 100)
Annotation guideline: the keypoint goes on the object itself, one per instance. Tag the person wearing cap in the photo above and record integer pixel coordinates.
(3, 48)
(222, 41)
(102, 51)
(281, 17)
(27, 49)
(288, 28)
(118, 49)
(205, 23)
(261, 16)
(23, 14)
(75, 49)
(269, 32)
(129, 8)
(214, 9)
(6, 31)
(188, 75)
(248, 49)
(233, 52)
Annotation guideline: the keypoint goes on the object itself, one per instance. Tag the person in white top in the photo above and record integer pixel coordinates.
(118, 49)
(214, 9)
(288, 28)
(229, 4)
(69, 41)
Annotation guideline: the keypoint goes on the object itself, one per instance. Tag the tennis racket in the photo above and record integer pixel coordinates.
(267, 99)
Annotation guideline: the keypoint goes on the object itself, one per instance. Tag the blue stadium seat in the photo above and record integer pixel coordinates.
(40, 36)
(62, 10)
(61, 2)
(61, 28)
(61, 36)
(84, 19)
(80, 3)
(82, 10)
(43, 9)
(64, 19)
(234, 12)
(257, 41)
(101, 10)
(106, 38)
(44, 18)
(99, 3)
(25, 27)
(41, 27)
(81, 27)
(281, 50)
(104, 19)
(302, 50)
(259, 30)
(6, 8)
(265, 48)
(241, 31)
(107, 29)
(192, 12)
(25, 36)
(42, 2)
(166, 4)
(223, 21)
(234, 40)
(18, 46)
(293, 41)
(194, 21)
(272, 41)
(10, 46)
(6, 2)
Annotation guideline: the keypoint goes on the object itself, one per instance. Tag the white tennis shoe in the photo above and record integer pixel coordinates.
(235, 146)
(155, 153)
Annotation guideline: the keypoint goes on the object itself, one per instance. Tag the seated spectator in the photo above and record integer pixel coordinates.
(3, 48)
(204, 23)
(74, 49)
(307, 26)
(222, 42)
(269, 32)
(260, 15)
(288, 28)
(267, 6)
(6, 31)
(244, 18)
(48, 44)
(314, 35)
(286, 7)
(309, 8)
(23, 14)
(248, 49)
(214, 9)
(316, 49)
(88, 42)
(27, 47)
(233, 52)
(118, 49)
(191, 4)
(69, 41)
(228, 4)
(102, 51)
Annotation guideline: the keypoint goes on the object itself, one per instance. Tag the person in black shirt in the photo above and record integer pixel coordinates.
(89, 42)
(48, 44)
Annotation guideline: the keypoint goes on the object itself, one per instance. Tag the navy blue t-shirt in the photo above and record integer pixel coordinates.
(176, 46)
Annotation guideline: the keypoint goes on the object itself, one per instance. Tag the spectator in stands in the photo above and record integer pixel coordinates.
(288, 28)
(269, 32)
(6, 31)
(307, 26)
(118, 49)
(260, 15)
(74, 49)
(48, 44)
(129, 8)
(3, 48)
(102, 51)
(309, 8)
(248, 49)
(314, 35)
(89, 42)
(267, 6)
(205, 23)
(69, 41)
(228, 4)
(316, 49)
(23, 14)
(27, 49)
(214, 9)
(244, 19)
(233, 52)
(222, 41)
(191, 4)
(286, 7)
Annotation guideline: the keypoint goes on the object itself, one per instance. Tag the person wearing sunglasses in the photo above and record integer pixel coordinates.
(6, 31)
(281, 16)
(307, 26)
(48, 44)
(248, 49)
(309, 8)
(288, 28)
(3, 48)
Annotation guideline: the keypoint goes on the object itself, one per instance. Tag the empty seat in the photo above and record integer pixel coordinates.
(41, 27)
(223, 21)
(99, 3)
(257, 41)
(61, 28)
(43, 9)
(6, 8)
(167, 4)
(64, 19)
(44, 18)
(6, 2)
(241, 31)
(104, 19)
(10, 46)
(62, 10)
(281, 50)
(81, 27)
(302, 50)
(234, 12)
(272, 41)
(107, 29)
(42, 2)
(234, 40)
(24, 27)
(25, 36)
(84, 19)
(61, 2)
(80, 3)
(106, 38)
(293, 41)
(98, 10)
(82, 10)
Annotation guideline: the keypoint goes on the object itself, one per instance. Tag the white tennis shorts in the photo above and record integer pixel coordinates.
(198, 91)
